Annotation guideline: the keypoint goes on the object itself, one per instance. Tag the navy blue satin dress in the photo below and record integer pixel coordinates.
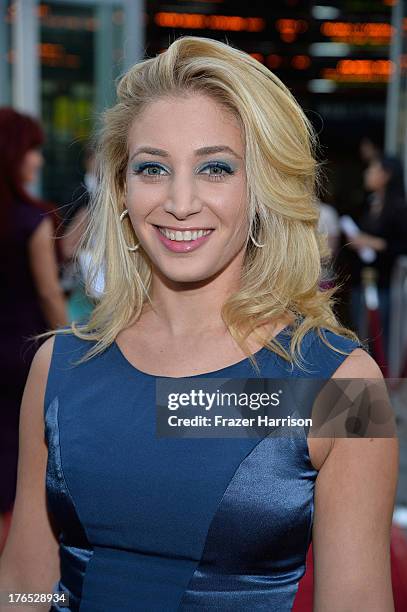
(160, 525)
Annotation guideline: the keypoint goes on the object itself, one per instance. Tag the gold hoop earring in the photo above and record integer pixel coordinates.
(124, 213)
(260, 246)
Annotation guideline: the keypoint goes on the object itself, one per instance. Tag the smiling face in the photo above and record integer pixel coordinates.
(186, 187)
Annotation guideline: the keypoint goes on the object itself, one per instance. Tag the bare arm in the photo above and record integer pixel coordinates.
(354, 501)
(30, 560)
(73, 233)
(44, 268)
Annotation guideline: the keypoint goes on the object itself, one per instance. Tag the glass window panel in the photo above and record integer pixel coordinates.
(80, 56)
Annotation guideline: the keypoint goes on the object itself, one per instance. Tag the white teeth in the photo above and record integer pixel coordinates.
(183, 236)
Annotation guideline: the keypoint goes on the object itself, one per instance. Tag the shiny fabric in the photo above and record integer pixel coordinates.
(74, 557)
(160, 525)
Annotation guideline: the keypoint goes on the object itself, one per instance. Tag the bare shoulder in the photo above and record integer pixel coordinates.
(379, 443)
(43, 231)
(34, 392)
(358, 364)
(43, 355)
(32, 403)
(39, 369)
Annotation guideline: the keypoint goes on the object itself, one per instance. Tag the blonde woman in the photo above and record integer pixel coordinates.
(205, 222)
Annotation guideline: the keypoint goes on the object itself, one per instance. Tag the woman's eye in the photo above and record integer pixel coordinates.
(217, 171)
(149, 170)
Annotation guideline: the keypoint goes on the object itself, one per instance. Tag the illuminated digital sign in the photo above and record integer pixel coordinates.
(197, 21)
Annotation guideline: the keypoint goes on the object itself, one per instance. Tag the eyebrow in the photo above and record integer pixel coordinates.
(198, 152)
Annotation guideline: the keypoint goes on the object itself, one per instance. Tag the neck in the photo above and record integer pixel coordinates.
(192, 308)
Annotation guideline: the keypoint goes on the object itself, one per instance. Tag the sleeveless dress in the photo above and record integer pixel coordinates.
(160, 525)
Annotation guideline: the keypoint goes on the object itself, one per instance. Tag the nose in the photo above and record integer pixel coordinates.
(182, 200)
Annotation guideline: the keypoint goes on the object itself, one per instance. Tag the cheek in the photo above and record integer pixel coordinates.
(30, 167)
(230, 200)
(235, 208)
(25, 170)
(370, 178)
(142, 198)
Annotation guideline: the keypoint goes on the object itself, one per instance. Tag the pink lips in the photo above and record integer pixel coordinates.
(181, 246)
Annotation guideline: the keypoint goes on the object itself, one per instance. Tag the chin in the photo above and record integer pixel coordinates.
(191, 276)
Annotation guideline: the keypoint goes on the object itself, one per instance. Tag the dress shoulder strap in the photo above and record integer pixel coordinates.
(318, 364)
(318, 359)
(322, 360)
(67, 350)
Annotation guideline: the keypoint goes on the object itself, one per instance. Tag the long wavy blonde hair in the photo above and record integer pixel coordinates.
(283, 177)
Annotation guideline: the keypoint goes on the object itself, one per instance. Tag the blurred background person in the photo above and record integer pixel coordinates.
(351, 200)
(383, 231)
(80, 304)
(369, 151)
(329, 226)
(32, 298)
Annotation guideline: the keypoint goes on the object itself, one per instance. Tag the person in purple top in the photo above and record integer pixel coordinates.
(32, 300)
